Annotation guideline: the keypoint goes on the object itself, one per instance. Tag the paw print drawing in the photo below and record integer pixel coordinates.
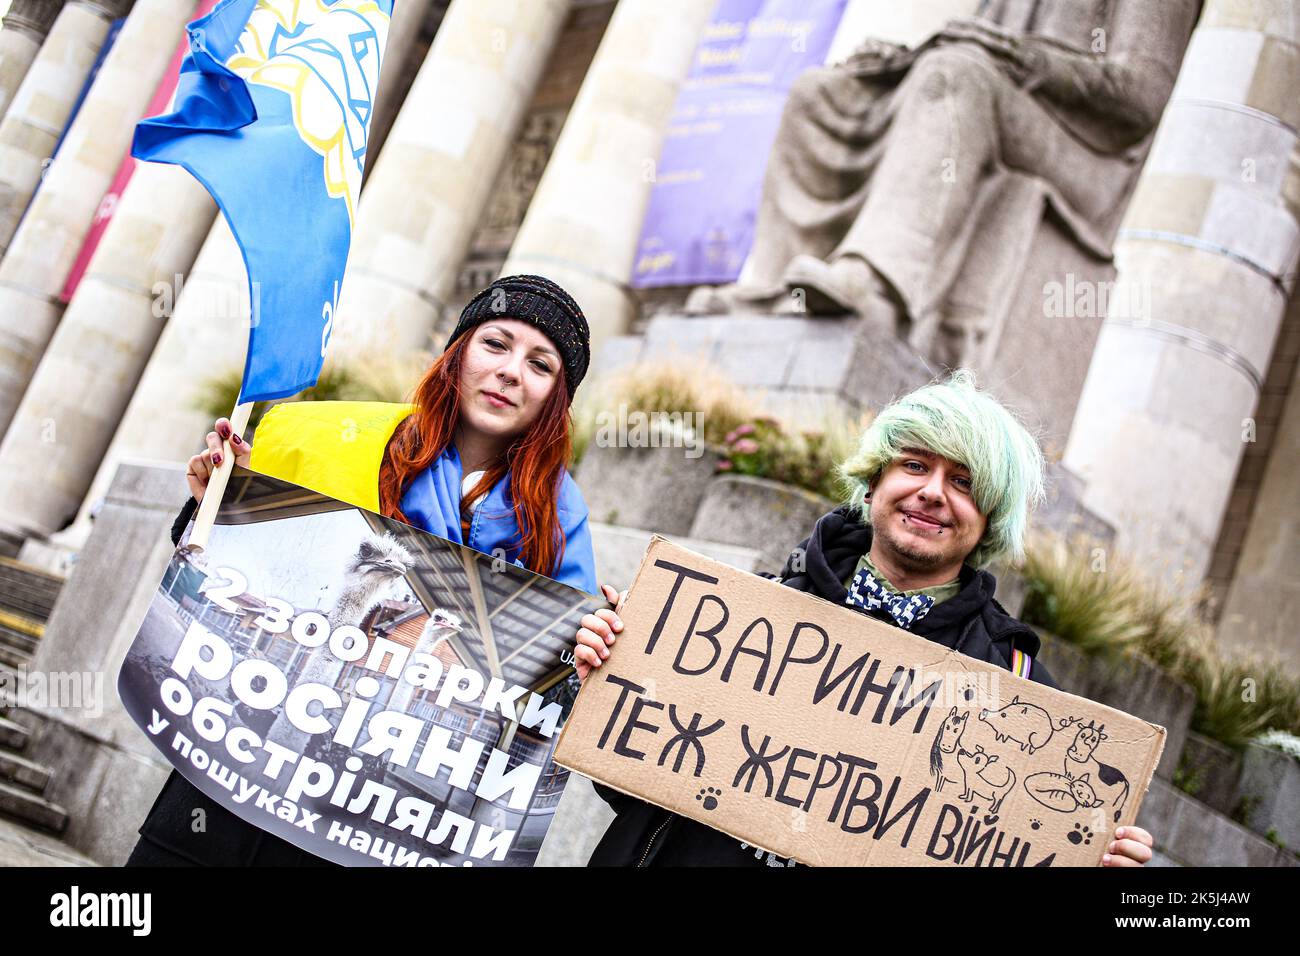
(709, 797)
(1080, 834)
(1035, 824)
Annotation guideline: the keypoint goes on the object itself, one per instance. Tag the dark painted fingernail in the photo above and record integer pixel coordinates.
(216, 459)
(225, 431)
(235, 440)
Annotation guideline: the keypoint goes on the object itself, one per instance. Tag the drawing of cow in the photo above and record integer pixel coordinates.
(1082, 755)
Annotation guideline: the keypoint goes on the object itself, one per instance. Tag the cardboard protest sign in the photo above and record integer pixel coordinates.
(372, 693)
(819, 734)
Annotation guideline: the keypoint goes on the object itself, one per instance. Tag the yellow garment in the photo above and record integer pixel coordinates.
(334, 448)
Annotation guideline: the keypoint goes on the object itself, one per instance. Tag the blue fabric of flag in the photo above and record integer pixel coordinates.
(272, 116)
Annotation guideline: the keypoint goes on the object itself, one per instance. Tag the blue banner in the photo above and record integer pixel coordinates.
(272, 115)
(699, 225)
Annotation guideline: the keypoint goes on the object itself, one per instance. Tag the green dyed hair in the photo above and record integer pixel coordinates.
(966, 425)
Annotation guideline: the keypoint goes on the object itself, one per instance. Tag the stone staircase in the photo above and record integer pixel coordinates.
(1188, 833)
(23, 784)
(27, 597)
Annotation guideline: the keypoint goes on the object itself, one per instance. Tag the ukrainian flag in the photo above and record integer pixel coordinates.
(272, 115)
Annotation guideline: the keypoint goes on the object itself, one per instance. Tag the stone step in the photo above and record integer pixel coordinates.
(12, 657)
(12, 736)
(1192, 834)
(10, 678)
(10, 544)
(22, 845)
(21, 772)
(27, 590)
(19, 638)
(32, 809)
(52, 555)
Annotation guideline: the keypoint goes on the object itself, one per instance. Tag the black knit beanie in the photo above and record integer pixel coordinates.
(539, 302)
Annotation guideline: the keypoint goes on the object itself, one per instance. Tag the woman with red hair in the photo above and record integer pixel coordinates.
(478, 458)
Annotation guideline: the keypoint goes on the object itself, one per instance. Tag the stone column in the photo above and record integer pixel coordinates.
(42, 103)
(409, 19)
(432, 180)
(582, 227)
(26, 25)
(206, 336)
(1210, 244)
(61, 430)
(1262, 602)
(46, 244)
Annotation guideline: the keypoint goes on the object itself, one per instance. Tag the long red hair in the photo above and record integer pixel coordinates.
(535, 460)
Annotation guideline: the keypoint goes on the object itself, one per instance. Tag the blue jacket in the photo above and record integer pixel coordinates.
(432, 502)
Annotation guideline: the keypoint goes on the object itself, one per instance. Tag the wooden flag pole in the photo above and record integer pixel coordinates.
(216, 489)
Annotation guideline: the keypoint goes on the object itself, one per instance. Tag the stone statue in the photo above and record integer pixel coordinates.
(906, 185)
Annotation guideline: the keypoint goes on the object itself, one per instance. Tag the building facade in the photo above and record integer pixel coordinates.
(495, 116)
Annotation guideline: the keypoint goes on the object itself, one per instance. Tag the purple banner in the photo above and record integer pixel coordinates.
(700, 222)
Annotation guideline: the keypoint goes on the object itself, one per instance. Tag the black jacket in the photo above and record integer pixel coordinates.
(971, 622)
(174, 834)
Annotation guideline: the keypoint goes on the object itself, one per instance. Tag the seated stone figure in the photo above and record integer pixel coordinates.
(906, 185)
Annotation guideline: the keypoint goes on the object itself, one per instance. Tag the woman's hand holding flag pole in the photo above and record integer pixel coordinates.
(216, 487)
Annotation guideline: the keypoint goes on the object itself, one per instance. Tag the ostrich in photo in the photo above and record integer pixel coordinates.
(441, 625)
(378, 562)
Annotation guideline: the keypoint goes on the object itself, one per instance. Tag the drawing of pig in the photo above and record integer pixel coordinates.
(976, 779)
(1027, 724)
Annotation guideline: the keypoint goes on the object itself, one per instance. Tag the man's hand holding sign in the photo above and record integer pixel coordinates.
(833, 739)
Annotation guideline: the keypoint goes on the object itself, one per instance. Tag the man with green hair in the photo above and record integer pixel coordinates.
(941, 485)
